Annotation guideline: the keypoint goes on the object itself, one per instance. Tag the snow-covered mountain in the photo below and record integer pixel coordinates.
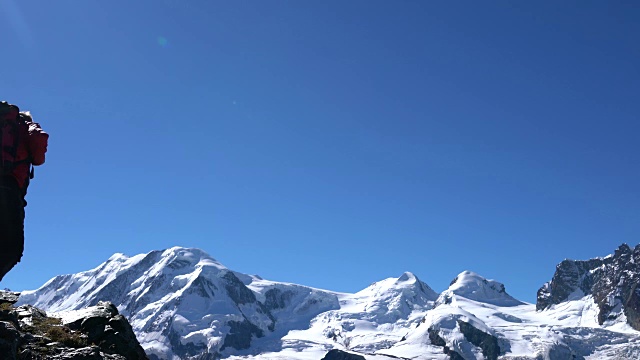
(183, 304)
(611, 281)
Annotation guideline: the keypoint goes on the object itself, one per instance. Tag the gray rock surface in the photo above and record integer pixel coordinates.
(487, 342)
(342, 355)
(8, 297)
(95, 333)
(437, 340)
(612, 281)
(9, 340)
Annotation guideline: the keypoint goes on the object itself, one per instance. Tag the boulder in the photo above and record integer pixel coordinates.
(9, 297)
(94, 333)
(9, 340)
(105, 327)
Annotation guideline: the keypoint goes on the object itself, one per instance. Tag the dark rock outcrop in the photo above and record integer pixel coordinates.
(562, 351)
(336, 354)
(437, 340)
(238, 292)
(487, 342)
(612, 281)
(8, 297)
(9, 339)
(277, 299)
(95, 333)
(241, 334)
(105, 327)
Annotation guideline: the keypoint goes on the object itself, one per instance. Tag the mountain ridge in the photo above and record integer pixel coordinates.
(184, 304)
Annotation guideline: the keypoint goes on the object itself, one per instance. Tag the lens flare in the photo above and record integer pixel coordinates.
(162, 41)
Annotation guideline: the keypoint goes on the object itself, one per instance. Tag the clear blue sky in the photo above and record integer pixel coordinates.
(330, 143)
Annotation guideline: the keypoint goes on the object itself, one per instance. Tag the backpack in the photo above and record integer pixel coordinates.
(10, 123)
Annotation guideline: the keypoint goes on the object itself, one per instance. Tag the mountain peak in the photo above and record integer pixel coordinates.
(177, 258)
(185, 253)
(118, 257)
(468, 279)
(408, 278)
(623, 249)
(406, 282)
(185, 284)
(472, 286)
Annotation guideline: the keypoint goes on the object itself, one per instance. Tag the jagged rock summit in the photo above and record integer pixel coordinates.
(610, 282)
(94, 333)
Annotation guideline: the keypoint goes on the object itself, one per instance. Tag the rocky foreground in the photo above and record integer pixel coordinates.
(93, 333)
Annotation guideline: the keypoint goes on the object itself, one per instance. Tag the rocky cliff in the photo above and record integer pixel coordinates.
(611, 281)
(93, 333)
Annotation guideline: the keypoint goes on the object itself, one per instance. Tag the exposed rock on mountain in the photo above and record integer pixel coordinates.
(181, 302)
(99, 332)
(487, 342)
(184, 305)
(460, 326)
(436, 340)
(336, 354)
(612, 282)
(8, 297)
(104, 326)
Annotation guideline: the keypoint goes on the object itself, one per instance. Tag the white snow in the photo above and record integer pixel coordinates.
(188, 293)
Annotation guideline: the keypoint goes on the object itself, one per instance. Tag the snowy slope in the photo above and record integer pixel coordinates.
(483, 309)
(372, 319)
(180, 302)
(183, 304)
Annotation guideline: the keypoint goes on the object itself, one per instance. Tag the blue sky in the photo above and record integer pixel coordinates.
(333, 143)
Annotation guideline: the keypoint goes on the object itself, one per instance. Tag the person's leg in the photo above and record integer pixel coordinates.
(11, 227)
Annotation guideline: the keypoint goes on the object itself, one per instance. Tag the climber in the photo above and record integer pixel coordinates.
(22, 144)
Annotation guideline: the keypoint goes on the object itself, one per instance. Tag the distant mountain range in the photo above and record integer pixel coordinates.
(183, 304)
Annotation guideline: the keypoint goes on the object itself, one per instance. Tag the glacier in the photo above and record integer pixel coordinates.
(184, 304)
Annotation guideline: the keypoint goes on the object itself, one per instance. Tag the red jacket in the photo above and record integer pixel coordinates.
(32, 146)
